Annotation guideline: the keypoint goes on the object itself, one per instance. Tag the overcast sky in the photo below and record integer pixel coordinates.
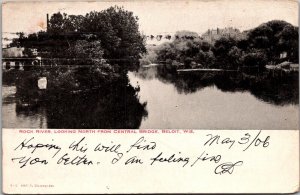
(157, 17)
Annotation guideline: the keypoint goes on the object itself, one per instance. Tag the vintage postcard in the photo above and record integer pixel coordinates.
(154, 96)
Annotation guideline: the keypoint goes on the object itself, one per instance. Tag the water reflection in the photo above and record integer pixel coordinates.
(117, 108)
(113, 106)
(157, 97)
(275, 89)
(14, 115)
(217, 101)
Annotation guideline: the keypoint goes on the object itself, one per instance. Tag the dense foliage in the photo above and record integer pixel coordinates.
(115, 31)
(86, 51)
(254, 48)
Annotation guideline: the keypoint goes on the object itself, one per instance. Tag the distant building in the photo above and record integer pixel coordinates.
(13, 52)
(211, 35)
(14, 57)
(158, 39)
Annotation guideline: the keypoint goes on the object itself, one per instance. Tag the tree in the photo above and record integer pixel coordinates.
(117, 30)
(187, 48)
(254, 58)
(205, 58)
(243, 44)
(27, 52)
(205, 46)
(87, 50)
(234, 57)
(166, 51)
(273, 38)
(288, 42)
(57, 23)
(223, 45)
(224, 50)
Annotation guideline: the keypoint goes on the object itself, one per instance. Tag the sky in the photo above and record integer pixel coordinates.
(159, 17)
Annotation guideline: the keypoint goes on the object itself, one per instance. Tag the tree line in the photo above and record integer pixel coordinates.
(254, 48)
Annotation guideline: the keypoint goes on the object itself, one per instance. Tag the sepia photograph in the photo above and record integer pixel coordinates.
(152, 96)
(213, 64)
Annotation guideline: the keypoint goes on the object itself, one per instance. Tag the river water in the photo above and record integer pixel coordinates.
(170, 102)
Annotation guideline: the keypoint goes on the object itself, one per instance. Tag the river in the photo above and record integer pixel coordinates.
(170, 102)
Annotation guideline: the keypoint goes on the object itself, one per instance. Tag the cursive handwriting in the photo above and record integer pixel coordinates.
(247, 140)
(140, 145)
(24, 160)
(170, 159)
(78, 146)
(205, 157)
(141, 152)
(256, 141)
(34, 147)
(216, 139)
(112, 149)
(77, 160)
(227, 167)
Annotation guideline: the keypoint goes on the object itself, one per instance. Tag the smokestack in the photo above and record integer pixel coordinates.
(47, 21)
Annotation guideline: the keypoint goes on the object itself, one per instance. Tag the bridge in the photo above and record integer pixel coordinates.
(20, 62)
